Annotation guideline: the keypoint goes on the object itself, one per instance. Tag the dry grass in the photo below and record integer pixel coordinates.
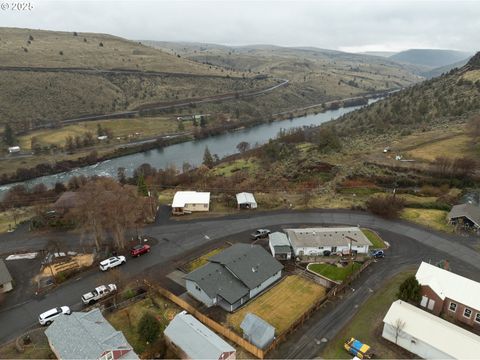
(7, 218)
(435, 219)
(473, 75)
(229, 168)
(281, 305)
(203, 259)
(452, 148)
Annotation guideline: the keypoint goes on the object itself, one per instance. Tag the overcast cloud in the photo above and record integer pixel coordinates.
(341, 25)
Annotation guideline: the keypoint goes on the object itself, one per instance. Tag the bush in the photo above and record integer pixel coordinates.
(409, 290)
(388, 206)
(149, 327)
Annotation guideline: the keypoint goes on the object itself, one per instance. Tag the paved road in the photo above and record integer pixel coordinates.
(410, 244)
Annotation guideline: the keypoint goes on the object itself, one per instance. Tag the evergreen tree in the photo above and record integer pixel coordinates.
(409, 290)
(142, 185)
(208, 158)
(9, 136)
(149, 327)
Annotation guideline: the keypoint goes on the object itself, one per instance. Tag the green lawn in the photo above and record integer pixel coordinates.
(334, 272)
(375, 239)
(366, 324)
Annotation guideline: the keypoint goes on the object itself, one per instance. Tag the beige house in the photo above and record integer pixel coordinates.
(6, 281)
(186, 202)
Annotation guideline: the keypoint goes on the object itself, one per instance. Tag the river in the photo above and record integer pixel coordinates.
(191, 151)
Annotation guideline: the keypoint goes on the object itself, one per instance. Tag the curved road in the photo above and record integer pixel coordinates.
(179, 239)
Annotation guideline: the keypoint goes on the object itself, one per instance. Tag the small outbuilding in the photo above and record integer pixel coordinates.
(186, 202)
(13, 149)
(257, 331)
(427, 335)
(246, 201)
(190, 339)
(6, 281)
(467, 215)
(280, 246)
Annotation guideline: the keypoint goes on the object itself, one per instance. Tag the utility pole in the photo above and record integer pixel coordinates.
(350, 252)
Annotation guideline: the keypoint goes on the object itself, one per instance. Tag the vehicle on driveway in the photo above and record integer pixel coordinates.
(260, 234)
(139, 250)
(48, 316)
(358, 349)
(98, 293)
(112, 262)
(378, 254)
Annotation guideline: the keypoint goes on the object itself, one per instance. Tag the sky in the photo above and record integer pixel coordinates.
(353, 26)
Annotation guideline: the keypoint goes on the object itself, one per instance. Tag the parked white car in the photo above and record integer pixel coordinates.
(99, 293)
(112, 262)
(47, 317)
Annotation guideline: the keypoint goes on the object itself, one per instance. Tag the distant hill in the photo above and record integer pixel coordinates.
(431, 58)
(444, 69)
(379, 53)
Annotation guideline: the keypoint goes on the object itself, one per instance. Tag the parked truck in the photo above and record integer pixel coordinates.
(98, 293)
(358, 349)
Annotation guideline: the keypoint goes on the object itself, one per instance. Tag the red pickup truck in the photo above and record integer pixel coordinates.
(139, 250)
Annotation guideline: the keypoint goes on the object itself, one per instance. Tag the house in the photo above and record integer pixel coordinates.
(314, 241)
(444, 292)
(190, 339)
(426, 335)
(185, 202)
(246, 201)
(13, 149)
(234, 276)
(6, 281)
(279, 246)
(87, 335)
(467, 215)
(257, 331)
(66, 201)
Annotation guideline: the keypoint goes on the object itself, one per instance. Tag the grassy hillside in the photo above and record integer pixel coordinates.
(431, 58)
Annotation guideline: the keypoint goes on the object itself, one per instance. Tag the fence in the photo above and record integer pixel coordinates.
(227, 333)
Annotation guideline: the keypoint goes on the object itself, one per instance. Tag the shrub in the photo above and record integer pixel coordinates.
(149, 327)
(409, 290)
(388, 206)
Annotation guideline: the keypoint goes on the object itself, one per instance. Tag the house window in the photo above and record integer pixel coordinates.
(424, 301)
(477, 317)
(467, 313)
(452, 307)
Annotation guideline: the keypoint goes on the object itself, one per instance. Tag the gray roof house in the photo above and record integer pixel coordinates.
(280, 246)
(257, 331)
(234, 276)
(87, 336)
(190, 339)
(469, 214)
(6, 281)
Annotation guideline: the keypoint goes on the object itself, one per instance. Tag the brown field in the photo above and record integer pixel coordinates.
(282, 305)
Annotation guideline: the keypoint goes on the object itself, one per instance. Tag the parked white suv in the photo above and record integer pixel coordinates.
(47, 317)
(112, 262)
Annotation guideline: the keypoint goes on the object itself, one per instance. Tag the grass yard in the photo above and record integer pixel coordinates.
(282, 305)
(375, 239)
(39, 349)
(333, 272)
(7, 218)
(460, 144)
(202, 260)
(127, 319)
(229, 168)
(365, 325)
(435, 219)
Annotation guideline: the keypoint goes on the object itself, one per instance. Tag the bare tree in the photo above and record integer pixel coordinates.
(398, 327)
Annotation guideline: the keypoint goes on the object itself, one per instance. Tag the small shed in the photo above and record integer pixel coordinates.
(6, 281)
(280, 246)
(467, 215)
(13, 149)
(257, 331)
(246, 201)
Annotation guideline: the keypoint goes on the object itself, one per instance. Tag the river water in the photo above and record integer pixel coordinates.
(191, 151)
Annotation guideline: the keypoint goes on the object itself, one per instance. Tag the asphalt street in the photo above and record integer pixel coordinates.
(409, 245)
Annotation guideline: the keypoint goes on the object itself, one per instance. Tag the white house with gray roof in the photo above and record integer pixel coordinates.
(234, 276)
(6, 281)
(87, 335)
(314, 241)
(190, 339)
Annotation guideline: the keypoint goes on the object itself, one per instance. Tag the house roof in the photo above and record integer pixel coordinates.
(86, 336)
(67, 200)
(195, 339)
(278, 239)
(5, 276)
(470, 211)
(447, 284)
(235, 271)
(317, 237)
(448, 338)
(190, 197)
(245, 198)
(258, 330)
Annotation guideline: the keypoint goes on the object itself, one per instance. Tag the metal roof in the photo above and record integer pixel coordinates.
(245, 198)
(317, 237)
(469, 211)
(190, 197)
(5, 276)
(278, 239)
(446, 337)
(447, 284)
(257, 330)
(86, 336)
(195, 339)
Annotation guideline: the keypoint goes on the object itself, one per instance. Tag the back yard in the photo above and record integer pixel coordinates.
(334, 272)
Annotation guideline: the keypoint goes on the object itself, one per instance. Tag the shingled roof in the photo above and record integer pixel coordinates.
(469, 211)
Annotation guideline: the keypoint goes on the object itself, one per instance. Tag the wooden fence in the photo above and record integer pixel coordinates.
(227, 333)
